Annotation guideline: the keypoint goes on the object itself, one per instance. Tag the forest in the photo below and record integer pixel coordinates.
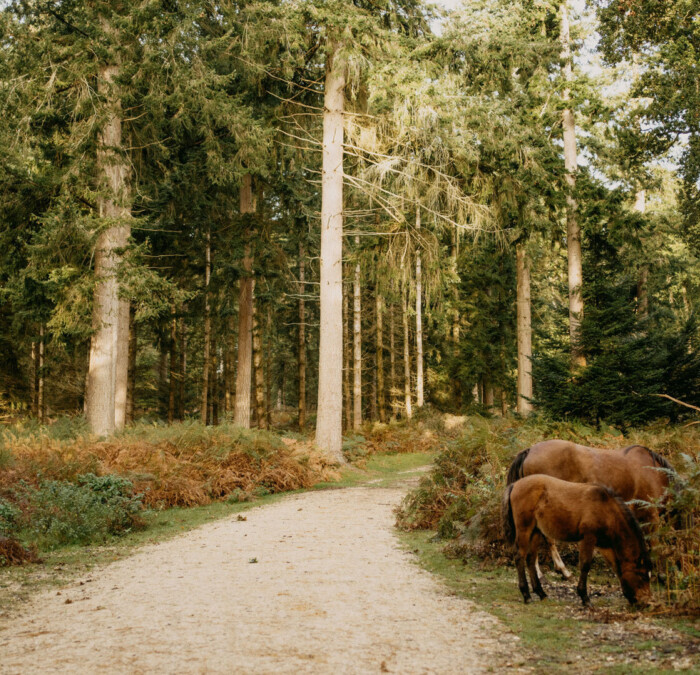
(234, 231)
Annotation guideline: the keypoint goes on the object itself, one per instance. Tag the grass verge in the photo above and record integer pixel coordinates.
(558, 635)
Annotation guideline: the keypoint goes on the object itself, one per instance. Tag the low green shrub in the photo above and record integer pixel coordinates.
(9, 518)
(59, 513)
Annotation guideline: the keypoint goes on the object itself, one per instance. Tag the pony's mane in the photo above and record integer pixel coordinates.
(516, 468)
(632, 522)
(656, 457)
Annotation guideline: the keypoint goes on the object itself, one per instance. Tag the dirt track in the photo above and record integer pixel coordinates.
(331, 592)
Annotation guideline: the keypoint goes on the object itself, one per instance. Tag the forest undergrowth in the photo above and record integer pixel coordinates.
(460, 499)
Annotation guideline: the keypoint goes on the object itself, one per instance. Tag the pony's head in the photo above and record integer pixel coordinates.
(635, 577)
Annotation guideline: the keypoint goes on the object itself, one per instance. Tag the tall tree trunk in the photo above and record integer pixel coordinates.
(302, 337)
(524, 331)
(406, 351)
(258, 370)
(640, 206)
(131, 370)
(381, 394)
(573, 231)
(41, 406)
(207, 331)
(392, 363)
(183, 367)
(329, 420)
(419, 320)
(347, 368)
(172, 367)
(245, 318)
(357, 347)
(107, 358)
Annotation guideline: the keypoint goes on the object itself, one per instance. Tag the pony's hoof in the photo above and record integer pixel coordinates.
(526, 599)
(566, 575)
(543, 596)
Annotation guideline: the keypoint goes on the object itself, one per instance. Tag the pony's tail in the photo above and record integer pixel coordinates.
(507, 517)
(516, 468)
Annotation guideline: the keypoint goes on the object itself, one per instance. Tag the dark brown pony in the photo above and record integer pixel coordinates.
(632, 472)
(540, 506)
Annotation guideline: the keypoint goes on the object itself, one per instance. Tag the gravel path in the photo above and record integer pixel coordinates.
(315, 583)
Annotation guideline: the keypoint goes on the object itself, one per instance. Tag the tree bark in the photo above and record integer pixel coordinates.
(41, 406)
(172, 367)
(245, 318)
(329, 420)
(419, 320)
(258, 370)
(357, 347)
(105, 363)
(204, 410)
(573, 231)
(640, 206)
(524, 332)
(392, 364)
(183, 367)
(487, 395)
(302, 337)
(381, 394)
(406, 352)
(131, 369)
(347, 367)
(34, 379)
(228, 365)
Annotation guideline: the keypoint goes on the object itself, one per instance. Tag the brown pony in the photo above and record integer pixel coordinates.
(593, 515)
(632, 472)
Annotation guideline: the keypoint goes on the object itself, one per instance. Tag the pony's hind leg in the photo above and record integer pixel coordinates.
(531, 560)
(586, 556)
(558, 562)
(522, 577)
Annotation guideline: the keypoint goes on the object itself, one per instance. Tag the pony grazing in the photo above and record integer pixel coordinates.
(632, 472)
(593, 515)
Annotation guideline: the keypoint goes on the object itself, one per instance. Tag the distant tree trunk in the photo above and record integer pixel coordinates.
(268, 368)
(455, 311)
(214, 384)
(172, 367)
(392, 363)
(524, 332)
(381, 394)
(131, 371)
(357, 347)
(41, 407)
(108, 312)
(329, 420)
(162, 376)
(121, 375)
(573, 231)
(347, 367)
(183, 367)
(419, 321)
(406, 351)
(207, 330)
(245, 318)
(258, 370)
(228, 365)
(487, 395)
(34, 379)
(302, 337)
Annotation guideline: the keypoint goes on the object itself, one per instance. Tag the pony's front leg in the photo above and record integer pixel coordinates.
(558, 562)
(586, 556)
(522, 578)
(531, 560)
